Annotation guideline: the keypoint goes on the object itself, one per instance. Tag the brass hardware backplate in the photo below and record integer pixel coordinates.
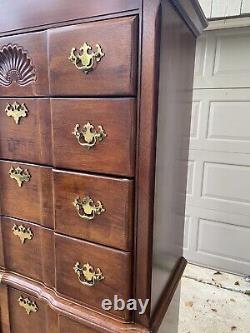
(16, 111)
(19, 175)
(86, 59)
(87, 275)
(87, 209)
(88, 136)
(27, 304)
(22, 232)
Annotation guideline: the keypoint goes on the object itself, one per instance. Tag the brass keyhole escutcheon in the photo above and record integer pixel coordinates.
(86, 59)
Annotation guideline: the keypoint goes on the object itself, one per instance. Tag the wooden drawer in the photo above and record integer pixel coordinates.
(110, 222)
(73, 256)
(111, 151)
(25, 130)
(26, 192)
(28, 249)
(41, 318)
(69, 326)
(23, 65)
(114, 64)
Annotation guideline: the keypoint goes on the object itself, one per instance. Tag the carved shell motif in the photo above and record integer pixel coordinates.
(15, 66)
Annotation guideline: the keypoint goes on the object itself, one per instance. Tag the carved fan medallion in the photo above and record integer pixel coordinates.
(15, 66)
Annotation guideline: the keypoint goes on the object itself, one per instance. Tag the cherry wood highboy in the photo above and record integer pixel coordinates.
(95, 101)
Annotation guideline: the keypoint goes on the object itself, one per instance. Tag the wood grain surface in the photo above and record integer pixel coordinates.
(115, 266)
(30, 140)
(114, 75)
(31, 202)
(115, 154)
(113, 227)
(35, 257)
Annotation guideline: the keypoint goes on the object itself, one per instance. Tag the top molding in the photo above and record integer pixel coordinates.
(16, 16)
(192, 13)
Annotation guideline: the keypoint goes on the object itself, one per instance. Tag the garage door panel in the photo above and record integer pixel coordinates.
(195, 121)
(226, 182)
(190, 178)
(221, 182)
(219, 239)
(224, 61)
(229, 121)
(187, 231)
(220, 120)
(218, 190)
(201, 50)
(212, 234)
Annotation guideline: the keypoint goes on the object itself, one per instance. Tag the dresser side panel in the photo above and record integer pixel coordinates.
(174, 109)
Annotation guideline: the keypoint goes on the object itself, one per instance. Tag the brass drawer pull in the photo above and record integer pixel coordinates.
(86, 59)
(22, 232)
(27, 304)
(16, 111)
(88, 136)
(87, 209)
(19, 175)
(87, 275)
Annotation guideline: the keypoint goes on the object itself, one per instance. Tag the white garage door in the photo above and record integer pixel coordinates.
(217, 232)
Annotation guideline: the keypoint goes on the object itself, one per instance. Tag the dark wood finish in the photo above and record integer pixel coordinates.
(146, 154)
(31, 202)
(65, 307)
(115, 266)
(20, 321)
(113, 227)
(174, 115)
(53, 11)
(115, 154)
(2, 264)
(30, 140)
(192, 13)
(66, 325)
(149, 54)
(4, 309)
(35, 44)
(34, 258)
(167, 296)
(115, 74)
(170, 322)
(177, 55)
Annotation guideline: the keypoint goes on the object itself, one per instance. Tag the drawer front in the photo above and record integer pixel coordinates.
(107, 219)
(24, 65)
(26, 192)
(107, 147)
(25, 130)
(69, 326)
(35, 317)
(90, 273)
(94, 59)
(28, 250)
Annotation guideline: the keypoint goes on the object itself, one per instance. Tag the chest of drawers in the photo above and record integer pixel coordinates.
(95, 102)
